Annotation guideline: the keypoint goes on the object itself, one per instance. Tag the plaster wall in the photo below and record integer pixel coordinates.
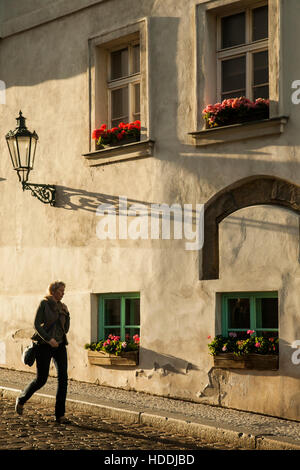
(47, 74)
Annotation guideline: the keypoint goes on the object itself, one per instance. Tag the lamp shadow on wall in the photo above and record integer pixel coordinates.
(79, 199)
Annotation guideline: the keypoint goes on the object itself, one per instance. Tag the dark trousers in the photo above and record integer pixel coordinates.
(43, 358)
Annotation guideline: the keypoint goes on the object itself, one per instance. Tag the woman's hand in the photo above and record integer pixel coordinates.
(53, 343)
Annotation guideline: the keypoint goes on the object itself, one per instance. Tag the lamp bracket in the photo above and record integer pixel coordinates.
(44, 192)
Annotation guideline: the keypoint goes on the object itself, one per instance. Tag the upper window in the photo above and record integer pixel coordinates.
(242, 54)
(119, 315)
(123, 85)
(246, 311)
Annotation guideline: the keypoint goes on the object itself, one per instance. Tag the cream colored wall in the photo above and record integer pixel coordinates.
(46, 72)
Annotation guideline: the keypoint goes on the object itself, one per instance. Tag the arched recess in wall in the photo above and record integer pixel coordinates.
(250, 191)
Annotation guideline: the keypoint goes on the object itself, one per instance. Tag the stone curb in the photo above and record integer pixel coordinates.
(173, 422)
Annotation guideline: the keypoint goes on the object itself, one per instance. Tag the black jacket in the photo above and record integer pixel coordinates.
(48, 313)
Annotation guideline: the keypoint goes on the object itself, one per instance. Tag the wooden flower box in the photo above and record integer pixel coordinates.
(128, 140)
(101, 358)
(250, 361)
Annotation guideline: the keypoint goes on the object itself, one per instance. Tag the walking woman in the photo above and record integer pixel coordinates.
(52, 322)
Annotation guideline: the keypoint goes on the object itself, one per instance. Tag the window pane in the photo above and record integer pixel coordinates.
(267, 313)
(136, 109)
(136, 59)
(112, 309)
(260, 68)
(130, 332)
(261, 92)
(132, 311)
(111, 331)
(119, 64)
(119, 103)
(239, 313)
(236, 94)
(260, 23)
(234, 75)
(233, 30)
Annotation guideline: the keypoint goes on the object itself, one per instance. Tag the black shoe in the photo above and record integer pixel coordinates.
(18, 407)
(62, 420)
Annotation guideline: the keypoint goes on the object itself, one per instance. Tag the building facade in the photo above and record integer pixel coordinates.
(71, 66)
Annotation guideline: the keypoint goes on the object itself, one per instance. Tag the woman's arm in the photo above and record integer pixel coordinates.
(39, 320)
(67, 318)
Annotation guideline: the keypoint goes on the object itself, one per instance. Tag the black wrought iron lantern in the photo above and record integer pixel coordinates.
(22, 148)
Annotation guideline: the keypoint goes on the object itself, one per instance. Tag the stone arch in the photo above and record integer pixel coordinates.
(250, 191)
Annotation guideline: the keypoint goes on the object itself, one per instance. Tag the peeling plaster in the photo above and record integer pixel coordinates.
(216, 378)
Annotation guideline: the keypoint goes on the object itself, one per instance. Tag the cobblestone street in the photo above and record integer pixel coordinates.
(36, 429)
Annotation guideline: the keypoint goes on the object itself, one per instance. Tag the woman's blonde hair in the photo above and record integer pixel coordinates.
(54, 286)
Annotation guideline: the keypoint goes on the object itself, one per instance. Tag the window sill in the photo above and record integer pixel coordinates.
(109, 155)
(250, 362)
(236, 132)
(101, 358)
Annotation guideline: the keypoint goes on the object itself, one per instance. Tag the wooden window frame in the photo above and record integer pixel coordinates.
(101, 324)
(253, 296)
(131, 80)
(247, 49)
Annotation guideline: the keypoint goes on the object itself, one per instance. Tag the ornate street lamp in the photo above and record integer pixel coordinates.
(22, 146)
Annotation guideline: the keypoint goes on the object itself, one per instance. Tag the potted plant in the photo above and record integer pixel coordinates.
(245, 352)
(113, 351)
(235, 111)
(125, 133)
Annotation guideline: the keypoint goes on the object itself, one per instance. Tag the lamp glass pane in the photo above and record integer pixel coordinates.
(12, 146)
(33, 149)
(24, 150)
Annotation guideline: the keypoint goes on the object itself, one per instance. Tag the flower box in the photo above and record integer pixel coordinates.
(249, 361)
(125, 141)
(235, 111)
(101, 358)
(125, 133)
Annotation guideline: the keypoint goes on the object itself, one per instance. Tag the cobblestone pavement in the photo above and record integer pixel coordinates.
(37, 430)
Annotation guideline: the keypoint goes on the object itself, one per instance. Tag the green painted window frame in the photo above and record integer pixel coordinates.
(253, 296)
(101, 311)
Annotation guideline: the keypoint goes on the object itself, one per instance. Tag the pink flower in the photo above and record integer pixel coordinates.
(209, 109)
(236, 103)
(224, 348)
(257, 345)
(136, 339)
(250, 332)
(124, 344)
(208, 337)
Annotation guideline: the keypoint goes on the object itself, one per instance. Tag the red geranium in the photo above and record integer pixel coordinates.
(104, 136)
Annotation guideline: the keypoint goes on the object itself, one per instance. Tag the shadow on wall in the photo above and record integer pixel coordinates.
(152, 363)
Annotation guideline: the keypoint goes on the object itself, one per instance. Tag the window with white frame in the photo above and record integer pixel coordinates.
(242, 53)
(123, 84)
